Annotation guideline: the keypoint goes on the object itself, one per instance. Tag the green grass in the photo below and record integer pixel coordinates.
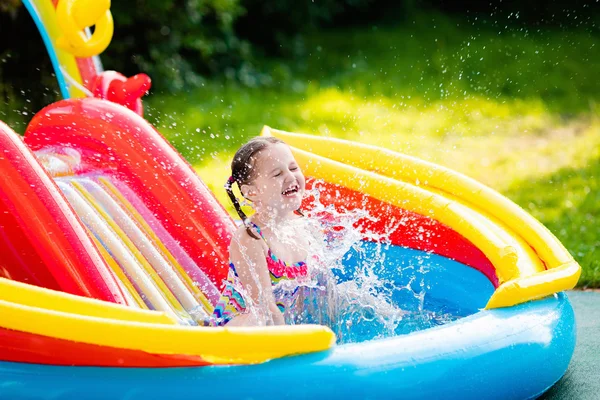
(514, 109)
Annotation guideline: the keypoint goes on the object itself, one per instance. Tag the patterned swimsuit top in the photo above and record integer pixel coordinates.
(279, 269)
(232, 302)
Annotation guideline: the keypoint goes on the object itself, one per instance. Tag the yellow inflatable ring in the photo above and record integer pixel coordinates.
(74, 16)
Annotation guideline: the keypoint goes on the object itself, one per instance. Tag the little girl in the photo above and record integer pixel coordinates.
(268, 253)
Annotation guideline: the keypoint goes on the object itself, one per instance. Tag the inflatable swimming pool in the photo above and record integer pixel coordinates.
(113, 253)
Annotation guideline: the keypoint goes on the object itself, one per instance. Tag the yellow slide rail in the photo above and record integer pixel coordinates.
(26, 308)
(33, 296)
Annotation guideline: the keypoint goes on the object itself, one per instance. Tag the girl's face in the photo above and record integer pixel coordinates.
(278, 182)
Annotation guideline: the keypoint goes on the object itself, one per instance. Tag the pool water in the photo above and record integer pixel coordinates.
(381, 291)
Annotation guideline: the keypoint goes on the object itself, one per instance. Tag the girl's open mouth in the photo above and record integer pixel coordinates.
(291, 191)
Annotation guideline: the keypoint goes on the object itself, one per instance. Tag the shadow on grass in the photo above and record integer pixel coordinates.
(438, 57)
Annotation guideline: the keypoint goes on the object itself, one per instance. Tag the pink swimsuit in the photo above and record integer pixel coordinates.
(232, 302)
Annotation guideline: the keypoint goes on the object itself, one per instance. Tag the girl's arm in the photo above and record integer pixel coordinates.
(248, 256)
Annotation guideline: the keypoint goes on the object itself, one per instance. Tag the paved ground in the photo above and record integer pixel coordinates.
(582, 380)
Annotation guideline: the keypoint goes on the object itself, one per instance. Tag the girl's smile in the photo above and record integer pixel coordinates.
(291, 191)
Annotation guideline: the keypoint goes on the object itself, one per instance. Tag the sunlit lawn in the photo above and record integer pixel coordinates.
(514, 109)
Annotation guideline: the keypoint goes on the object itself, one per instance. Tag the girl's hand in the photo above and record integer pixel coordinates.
(277, 315)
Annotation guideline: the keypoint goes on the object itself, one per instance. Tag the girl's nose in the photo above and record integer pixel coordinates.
(289, 175)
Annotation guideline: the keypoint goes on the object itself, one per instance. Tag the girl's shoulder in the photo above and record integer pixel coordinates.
(242, 238)
(243, 248)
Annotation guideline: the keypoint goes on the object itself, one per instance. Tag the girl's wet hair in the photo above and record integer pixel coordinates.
(242, 171)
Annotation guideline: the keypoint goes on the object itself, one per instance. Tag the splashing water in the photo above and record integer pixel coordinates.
(350, 287)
